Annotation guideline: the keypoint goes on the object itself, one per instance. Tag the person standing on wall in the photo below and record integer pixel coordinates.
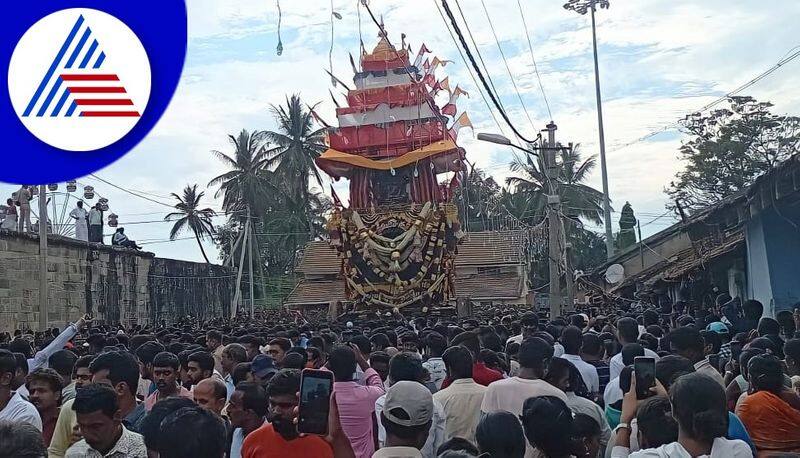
(24, 197)
(80, 215)
(96, 224)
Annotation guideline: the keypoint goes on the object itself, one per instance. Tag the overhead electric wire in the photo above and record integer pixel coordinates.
(480, 74)
(129, 191)
(533, 58)
(469, 70)
(474, 44)
(505, 62)
(790, 56)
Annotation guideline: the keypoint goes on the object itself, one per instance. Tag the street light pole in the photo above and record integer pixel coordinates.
(582, 7)
(603, 167)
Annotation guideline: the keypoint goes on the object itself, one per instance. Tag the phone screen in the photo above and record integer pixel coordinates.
(644, 368)
(315, 394)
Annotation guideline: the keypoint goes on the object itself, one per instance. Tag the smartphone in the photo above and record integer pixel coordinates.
(644, 369)
(315, 394)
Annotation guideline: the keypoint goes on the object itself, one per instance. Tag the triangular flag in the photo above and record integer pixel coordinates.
(422, 50)
(445, 84)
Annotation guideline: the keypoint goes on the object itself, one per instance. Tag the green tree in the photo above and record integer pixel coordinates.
(729, 148)
(478, 199)
(247, 185)
(189, 214)
(578, 200)
(297, 143)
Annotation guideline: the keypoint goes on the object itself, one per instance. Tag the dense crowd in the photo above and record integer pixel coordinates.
(504, 383)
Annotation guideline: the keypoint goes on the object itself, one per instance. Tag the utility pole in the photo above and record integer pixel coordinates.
(237, 292)
(43, 257)
(250, 265)
(582, 7)
(553, 220)
(603, 167)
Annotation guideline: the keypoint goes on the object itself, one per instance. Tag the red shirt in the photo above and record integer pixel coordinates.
(481, 374)
(266, 443)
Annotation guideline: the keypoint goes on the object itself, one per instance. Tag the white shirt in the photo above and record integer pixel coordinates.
(236, 443)
(588, 372)
(397, 452)
(461, 402)
(435, 434)
(20, 410)
(435, 367)
(615, 365)
(721, 448)
(95, 217)
(613, 392)
(510, 394)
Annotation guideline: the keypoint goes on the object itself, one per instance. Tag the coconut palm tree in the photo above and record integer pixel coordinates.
(246, 186)
(189, 214)
(578, 200)
(297, 143)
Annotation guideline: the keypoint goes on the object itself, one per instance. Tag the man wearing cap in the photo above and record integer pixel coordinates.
(722, 330)
(406, 415)
(263, 368)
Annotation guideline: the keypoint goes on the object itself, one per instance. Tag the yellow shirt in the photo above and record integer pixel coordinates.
(62, 434)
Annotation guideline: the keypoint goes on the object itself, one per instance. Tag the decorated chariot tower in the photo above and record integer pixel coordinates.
(397, 238)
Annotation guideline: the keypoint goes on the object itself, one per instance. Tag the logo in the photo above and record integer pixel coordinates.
(79, 79)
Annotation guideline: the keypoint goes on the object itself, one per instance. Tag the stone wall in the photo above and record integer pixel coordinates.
(112, 284)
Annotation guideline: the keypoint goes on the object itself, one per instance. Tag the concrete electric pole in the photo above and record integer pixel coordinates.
(553, 220)
(42, 257)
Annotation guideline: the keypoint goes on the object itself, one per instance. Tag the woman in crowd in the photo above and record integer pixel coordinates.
(499, 435)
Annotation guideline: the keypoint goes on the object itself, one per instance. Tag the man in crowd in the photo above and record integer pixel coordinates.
(145, 354)
(246, 410)
(480, 373)
(627, 333)
(232, 355)
(407, 415)
(435, 345)
(214, 345)
(211, 394)
(277, 349)
(262, 369)
(14, 408)
(63, 362)
(100, 419)
(687, 342)
(356, 401)
(201, 366)
(407, 367)
(252, 344)
(165, 375)
(572, 340)
(120, 371)
(278, 437)
(592, 352)
(461, 401)
(44, 387)
(80, 377)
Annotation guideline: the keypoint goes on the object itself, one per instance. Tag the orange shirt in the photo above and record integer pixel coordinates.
(266, 443)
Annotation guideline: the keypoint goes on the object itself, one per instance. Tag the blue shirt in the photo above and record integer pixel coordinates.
(736, 430)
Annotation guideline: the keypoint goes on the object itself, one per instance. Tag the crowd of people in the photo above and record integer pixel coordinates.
(504, 383)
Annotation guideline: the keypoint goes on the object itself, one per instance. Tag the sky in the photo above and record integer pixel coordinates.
(658, 60)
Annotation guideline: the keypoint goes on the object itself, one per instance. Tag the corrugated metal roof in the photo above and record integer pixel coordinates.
(319, 258)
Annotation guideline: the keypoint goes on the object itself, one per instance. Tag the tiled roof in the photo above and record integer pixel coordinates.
(489, 248)
(319, 258)
(489, 286)
(311, 292)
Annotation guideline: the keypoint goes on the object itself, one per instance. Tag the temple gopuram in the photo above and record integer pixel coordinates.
(397, 237)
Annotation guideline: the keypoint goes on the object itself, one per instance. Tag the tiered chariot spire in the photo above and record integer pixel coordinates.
(397, 239)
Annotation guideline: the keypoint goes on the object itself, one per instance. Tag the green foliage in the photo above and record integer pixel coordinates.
(190, 215)
(729, 149)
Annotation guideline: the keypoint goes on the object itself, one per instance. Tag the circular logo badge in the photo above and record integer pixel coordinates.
(79, 79)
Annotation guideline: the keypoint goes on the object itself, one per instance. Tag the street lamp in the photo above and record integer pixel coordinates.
(582, 7)
(501, 140)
